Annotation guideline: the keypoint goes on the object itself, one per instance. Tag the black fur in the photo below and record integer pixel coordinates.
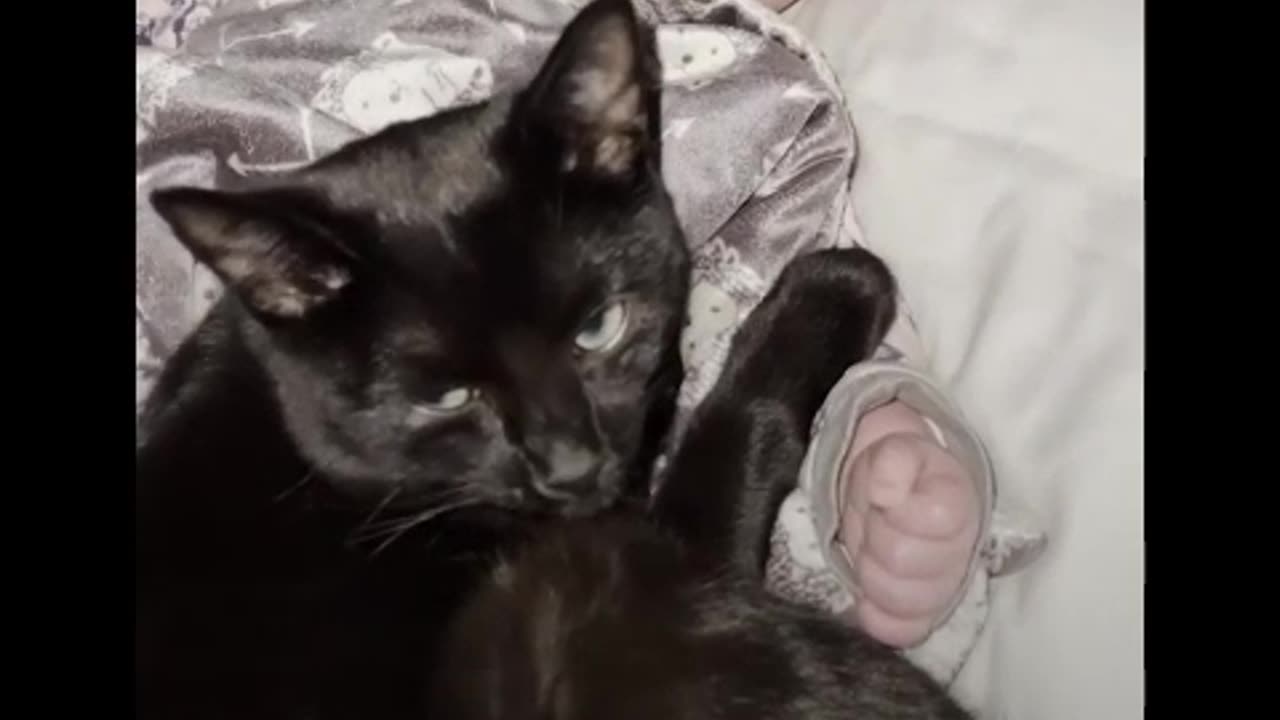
(625, 617)
(415, 371)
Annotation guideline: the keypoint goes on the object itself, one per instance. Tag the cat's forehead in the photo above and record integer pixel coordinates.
(418, 173)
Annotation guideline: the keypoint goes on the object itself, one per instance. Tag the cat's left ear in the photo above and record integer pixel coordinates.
(266, 247)
(595, 102)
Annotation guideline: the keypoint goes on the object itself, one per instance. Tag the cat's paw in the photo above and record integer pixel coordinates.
(826, 312)
(850, 291)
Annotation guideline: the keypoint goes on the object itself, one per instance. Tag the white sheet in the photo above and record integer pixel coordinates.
(1001, 175)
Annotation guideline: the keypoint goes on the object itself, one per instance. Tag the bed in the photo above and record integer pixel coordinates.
(1000, 172)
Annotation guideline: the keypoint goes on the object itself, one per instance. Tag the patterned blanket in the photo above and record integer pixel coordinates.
(758, 144)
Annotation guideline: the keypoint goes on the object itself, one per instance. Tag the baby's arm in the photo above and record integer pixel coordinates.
(894, 525)
(903, 493)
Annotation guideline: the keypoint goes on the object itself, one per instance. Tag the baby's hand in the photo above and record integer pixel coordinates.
(909, 522)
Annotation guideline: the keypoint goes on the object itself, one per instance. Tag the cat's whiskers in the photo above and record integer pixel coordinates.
(443, 496)
(311, 474)
(424, 517)
(373, 529)
(284, 494)
(353, 537)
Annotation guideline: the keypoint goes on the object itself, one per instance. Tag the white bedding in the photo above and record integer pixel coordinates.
(1001, 174)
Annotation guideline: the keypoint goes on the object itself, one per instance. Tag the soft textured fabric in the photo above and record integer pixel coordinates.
(1000, 173)
(759, 149)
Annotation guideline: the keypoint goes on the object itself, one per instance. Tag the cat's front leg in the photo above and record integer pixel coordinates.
(744, 445)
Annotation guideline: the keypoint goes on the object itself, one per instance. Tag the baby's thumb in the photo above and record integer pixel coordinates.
(894, 464)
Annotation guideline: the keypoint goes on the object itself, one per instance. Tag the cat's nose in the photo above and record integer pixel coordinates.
(571, 471)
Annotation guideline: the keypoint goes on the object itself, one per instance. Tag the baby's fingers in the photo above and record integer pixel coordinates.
(905, 598)
(943, 506)
(887, 470)
(911, 556)
(888, 629)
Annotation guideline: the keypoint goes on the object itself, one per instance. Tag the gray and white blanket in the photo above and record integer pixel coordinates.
(759, 152)
(759, 147)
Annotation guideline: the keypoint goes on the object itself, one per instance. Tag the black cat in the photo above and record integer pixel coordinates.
(431, 339)
(438, 343)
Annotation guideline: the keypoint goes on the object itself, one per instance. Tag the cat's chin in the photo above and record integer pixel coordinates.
(588, 506)
(530, 502)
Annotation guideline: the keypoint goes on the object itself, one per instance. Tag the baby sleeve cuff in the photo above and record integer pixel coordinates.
(1008, 539)
(863, 388)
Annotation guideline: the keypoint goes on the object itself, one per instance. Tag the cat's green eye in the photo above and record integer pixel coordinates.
(449, 401)
(603, 329)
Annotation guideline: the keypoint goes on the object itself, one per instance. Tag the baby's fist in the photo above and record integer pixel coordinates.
(909, 523)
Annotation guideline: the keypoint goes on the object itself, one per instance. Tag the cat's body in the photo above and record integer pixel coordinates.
(609, 619)
(439, 345)
(667, 616)
(251, 601)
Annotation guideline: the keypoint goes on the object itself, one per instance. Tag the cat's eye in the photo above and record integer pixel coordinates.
(603, 329)
(450, 401)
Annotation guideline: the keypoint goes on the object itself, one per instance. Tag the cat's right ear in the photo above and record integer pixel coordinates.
(280, 265)
(594, 104)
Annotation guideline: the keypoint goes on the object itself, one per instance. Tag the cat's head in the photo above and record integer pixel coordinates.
(480, 304)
